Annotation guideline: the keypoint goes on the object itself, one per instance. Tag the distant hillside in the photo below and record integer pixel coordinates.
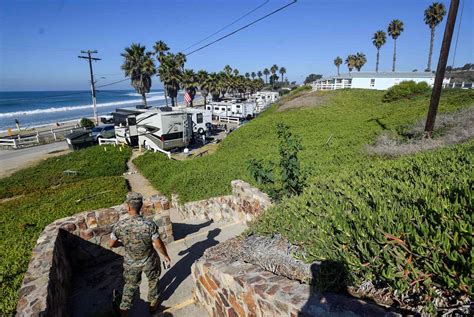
(459, 76)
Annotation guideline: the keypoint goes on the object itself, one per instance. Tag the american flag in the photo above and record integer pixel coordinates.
(187, 97)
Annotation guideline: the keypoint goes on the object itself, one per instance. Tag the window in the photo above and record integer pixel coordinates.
(216, 108)
(222, 109)
(208, 108)
(372, 82)
(238, 106)
(199, 118)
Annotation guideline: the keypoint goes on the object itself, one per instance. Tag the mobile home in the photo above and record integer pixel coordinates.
(125, 125)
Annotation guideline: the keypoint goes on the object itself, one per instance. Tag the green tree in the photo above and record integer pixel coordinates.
(236, 72)
(161, 48)
(351, 62)
(259, 74)
(313, 77)
(273, 70)
(433, 16)
(204, 83)
(247, 75)
(139, 66)
(337, 63)
(228, 70)
(379, 39)
(282, 71)
(360, 61)
(266, 72)
(253, 74)
(395, 28)
(170, 71)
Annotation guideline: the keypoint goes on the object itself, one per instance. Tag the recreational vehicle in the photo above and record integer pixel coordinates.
(164, 129)
(125, 122)
(232, 108)
(201, 119)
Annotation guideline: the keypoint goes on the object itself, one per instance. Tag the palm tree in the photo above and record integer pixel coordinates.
(433, 16)
(139, 66)
(204, 84)
(228, 70)
(379, 40)
(181, 60)
(161, 48)
(282, 71)
(395, 28)
(259, 74)
(170, 71)
(338, 62)
(190, 83)
(360, 61)
(253, 74)
(351, 62)
(236, 72)
(214, 86)
(247, 75)
(273, 70)
(266, 72)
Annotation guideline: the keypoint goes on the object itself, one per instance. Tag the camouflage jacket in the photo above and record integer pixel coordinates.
(136, 234)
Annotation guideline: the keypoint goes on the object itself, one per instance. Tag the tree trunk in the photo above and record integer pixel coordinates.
(377, 63)
(144, 99)
(166, 96)
(428, 69)
(266, 79)
(337, 70)
(394, 54)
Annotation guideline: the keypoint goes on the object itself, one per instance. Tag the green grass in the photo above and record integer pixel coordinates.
(350, 118)
(48, 195)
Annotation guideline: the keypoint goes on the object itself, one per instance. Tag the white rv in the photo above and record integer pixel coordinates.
(201, 119)
(165, 130)
(125, 125)
(232, 108)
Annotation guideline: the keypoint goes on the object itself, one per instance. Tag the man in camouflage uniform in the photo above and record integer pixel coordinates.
(140, 238)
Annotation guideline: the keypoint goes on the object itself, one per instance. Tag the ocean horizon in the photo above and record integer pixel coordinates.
(39, 108)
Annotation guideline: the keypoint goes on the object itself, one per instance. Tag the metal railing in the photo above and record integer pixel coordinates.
(331, 86)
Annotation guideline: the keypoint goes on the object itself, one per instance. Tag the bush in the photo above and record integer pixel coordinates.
(405, 224)
(87, 123)
(406, 89)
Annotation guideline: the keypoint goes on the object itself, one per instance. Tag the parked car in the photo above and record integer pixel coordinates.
(79, 139)
(107, 118)
(103, 131)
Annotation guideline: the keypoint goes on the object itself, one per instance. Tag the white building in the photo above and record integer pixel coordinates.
(372, 80)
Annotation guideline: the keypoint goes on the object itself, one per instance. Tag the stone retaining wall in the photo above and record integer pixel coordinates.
(227, 287)
(245, 203)
(59, 251)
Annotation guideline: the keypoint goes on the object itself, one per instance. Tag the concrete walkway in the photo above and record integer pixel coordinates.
(192, 238)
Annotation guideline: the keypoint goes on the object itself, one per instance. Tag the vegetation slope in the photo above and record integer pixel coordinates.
(43, 193)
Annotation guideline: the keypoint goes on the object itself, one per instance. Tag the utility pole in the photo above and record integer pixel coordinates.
(90, 58)
(440, 71)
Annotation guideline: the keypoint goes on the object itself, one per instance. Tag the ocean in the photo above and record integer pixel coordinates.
(39, 108)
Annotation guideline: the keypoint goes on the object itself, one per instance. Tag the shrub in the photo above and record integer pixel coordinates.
(405, 224)
(291, 179)
(87, 123)
(406, 89)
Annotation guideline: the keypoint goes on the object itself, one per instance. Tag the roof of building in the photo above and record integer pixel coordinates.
(382, 75)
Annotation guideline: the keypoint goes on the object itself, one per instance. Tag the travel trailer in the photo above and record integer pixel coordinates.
(125, 123)
(201, 119)
(164, 129)
(232, 108)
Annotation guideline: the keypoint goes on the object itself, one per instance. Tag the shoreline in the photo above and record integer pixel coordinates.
(198, 101)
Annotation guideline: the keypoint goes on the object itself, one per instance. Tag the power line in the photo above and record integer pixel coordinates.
(113, 83)
(242, 28)
(457, 35)
(228, 25)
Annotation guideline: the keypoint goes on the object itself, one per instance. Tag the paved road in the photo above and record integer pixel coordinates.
(13, 160)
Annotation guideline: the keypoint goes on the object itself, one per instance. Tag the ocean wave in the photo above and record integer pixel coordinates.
(73, 108)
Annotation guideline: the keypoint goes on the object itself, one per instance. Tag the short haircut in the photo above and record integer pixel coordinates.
(135, 201)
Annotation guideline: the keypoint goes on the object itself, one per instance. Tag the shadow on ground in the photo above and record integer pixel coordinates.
(181, 230)
(182, 269)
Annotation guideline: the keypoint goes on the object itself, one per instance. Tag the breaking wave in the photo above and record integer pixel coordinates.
(73, 108)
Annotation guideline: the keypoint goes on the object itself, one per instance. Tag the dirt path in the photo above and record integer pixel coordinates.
(138, 183)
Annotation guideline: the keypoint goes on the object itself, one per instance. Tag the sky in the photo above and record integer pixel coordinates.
(40, 40)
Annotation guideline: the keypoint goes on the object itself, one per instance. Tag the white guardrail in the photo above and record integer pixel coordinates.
(103, 141)
(229, 119)
(20, 141)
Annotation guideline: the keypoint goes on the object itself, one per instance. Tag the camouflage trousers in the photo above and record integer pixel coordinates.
(132, 276)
